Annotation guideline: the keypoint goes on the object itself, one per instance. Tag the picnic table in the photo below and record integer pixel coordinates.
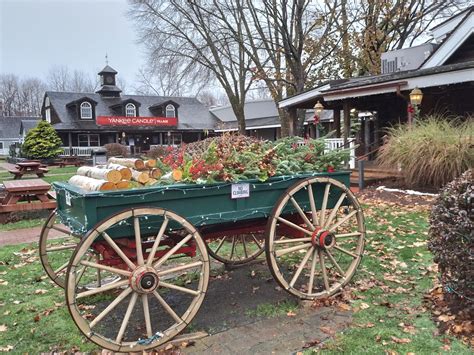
(70, 160)
(28, 167)
(34, 191)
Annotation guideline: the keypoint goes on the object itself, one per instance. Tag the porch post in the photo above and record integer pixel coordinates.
(69, 137)
(376, 130)
(366, 134)
(347, 122)
(337, 122)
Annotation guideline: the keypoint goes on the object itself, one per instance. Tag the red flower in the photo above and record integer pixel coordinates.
(331, 169)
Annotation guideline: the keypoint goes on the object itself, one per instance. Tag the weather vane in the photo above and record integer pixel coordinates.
(106, 59)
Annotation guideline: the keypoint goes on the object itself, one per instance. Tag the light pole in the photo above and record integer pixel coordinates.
(318, 110)
(416, 95)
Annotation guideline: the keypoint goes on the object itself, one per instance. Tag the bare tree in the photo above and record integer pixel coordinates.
(31, 96)
(9, 91)
(193, 34)
(60, 78)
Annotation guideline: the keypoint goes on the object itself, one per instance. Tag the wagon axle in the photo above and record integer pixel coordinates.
(144, 280)
(322, 238)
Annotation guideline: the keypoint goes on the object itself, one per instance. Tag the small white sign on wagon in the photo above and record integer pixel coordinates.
(241, 190)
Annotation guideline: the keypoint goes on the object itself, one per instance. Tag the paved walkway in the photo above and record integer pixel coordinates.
(281, 335)
(24, 235)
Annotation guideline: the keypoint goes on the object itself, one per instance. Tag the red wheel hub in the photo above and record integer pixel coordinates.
(322, 238)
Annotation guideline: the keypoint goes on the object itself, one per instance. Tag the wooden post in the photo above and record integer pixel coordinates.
(69, 137)
(337, 122)
(366, 134)
(377, 130)
(347, 122)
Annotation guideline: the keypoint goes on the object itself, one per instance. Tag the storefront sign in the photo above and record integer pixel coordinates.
(136, 121)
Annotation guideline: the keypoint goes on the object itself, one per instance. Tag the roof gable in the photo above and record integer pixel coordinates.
(10, 125)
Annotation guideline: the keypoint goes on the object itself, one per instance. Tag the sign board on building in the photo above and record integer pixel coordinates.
(136, 121)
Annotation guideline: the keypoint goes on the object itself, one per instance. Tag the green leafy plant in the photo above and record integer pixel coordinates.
(451, 235)
(432, 152)
(42, 142)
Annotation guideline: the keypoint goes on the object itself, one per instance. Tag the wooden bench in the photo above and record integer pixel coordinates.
(34, 191)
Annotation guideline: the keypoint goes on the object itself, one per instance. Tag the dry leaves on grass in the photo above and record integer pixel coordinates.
(6, 348)
(400, 340)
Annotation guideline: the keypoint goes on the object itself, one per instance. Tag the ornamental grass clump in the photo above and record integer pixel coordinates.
(432, 152)
(451, 236)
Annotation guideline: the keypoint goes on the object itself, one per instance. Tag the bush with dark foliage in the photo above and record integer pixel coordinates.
(116, 149)
(451, 236)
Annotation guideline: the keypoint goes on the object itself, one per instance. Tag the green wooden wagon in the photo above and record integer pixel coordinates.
(135, 263)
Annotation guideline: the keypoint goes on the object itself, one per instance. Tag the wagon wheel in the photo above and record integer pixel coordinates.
(56, 252)
(315, 238)
(163, 265)
(236, 249)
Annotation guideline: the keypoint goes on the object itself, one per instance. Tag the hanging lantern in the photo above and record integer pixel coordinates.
(318, 108)
(416, 95)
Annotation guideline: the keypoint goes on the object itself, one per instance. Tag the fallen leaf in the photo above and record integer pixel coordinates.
(6, 348)
(446, 347)
(3, 282)
(40, 291)
(364, 305)
(327, 330)
(446, 318)
(37, 318)
(291, 314)
(3, 328)
(344, 306)
(401, 340)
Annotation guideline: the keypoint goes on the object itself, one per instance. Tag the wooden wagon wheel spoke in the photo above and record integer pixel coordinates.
(337, 231)
(334, 262)
(348, 235)
(119, 251)
(282, 252)
(312, 272)
(178, 268)
(55, 250)
(146, 314)
(220, 244)
(295, 226)
(145, 278)
(335, 209)
(167, 307)
(345, 251)
(104, 288)
(156, 244)
(300, 267)
(61, 269)
(342, 221)
(138, 241)
(106, 268)
(301, 213)
(244, 246)
(324, 204)
(61, 247)
(172, 251)
(233, 248)
(314, 213)
(111, 306)
(256, 241)
(179, 288)
(323, 269)
(292, 240)
(126, 318)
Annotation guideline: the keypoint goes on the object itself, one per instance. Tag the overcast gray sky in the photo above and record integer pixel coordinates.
(38, 34)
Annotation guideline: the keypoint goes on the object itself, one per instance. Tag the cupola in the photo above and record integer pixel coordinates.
(108, 84)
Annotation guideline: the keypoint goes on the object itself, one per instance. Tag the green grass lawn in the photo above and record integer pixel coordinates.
(396, 272)
(54, 174)
(389, 314)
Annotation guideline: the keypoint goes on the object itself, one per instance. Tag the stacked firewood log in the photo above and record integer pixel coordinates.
(119, 173)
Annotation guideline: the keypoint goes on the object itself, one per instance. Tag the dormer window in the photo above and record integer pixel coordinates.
(170, 111)
(130, 110)
(86, 110)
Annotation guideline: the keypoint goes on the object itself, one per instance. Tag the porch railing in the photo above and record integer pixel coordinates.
(79, 151)
(338, 143)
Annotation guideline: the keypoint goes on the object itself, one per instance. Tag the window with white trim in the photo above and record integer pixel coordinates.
(88, 140)
(86, 111)
(48, 114)
(173, 139)
(130, 110)
(170, 111)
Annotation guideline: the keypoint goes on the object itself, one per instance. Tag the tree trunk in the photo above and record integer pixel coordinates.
(299, 129)
(128, 162)
(111, 175)
(90, 184)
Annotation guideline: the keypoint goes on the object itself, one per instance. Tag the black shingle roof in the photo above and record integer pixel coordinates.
(10, 125)
(108, 69)
(192, 114)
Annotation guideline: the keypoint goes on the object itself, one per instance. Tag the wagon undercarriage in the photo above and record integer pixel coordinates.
(138, 277)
